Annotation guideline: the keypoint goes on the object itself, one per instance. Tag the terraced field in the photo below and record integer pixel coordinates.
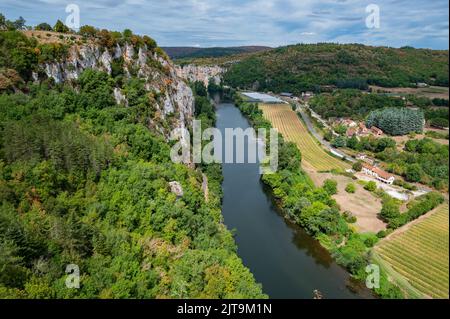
(291, 127)
(420, 254)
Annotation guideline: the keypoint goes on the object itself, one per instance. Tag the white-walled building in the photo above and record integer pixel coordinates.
(379, 174)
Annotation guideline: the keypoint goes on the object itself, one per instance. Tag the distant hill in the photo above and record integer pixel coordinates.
(310, 66)
(193, 52)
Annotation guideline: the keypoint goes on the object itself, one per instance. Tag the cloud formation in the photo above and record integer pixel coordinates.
(415, 23)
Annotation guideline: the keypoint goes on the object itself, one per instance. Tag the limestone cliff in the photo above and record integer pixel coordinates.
(202, 73)
(174, 101)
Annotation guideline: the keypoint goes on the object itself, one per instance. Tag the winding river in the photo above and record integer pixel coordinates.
(283, 258)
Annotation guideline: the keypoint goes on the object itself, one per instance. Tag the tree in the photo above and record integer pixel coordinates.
(88, 31)
(44, 27)
(397, 121)
(358, 166)
(414, 173)
(341, 129)
(60, 27)
(390, 210)
(330, 186)
(127, 33)
(328, 136)
(371, 186)
(339, 141)
(352, 142)
(151, 43)
(19, 24)
(351, 188)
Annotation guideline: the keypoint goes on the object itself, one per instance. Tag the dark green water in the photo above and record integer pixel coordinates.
(284, 259)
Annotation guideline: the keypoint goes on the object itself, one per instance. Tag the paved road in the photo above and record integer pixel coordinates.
(313, 131)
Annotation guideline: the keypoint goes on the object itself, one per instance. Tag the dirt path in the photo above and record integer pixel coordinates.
(362, 204)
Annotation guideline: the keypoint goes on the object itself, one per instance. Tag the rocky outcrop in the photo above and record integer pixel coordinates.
(176, 188)
(201, 73)
(172, 96)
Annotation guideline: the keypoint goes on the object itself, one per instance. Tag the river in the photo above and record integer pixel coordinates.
(283, 258)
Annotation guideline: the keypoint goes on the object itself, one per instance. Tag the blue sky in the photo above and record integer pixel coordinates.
(207, 23)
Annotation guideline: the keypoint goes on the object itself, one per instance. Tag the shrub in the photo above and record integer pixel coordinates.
(371, 186)
(330, 186)
(351, 188)
(349, 217)
(358, 166)
(60, 27)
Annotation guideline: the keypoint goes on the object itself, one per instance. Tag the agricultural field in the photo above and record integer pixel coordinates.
(418, 254)
(291, 127)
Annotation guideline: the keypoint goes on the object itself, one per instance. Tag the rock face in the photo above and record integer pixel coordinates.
(176, 188)
(173, 97)
(205, 74)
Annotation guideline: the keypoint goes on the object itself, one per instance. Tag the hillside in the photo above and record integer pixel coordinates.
(194, 52)
(309, 66)
(86, 178)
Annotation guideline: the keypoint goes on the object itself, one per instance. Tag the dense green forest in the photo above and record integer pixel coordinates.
(351, 103)
(358, 105)
(194, 52)
(84, 181)
(309, 66)
(87, 183)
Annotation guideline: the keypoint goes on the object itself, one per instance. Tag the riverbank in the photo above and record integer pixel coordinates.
(313, 209)
(284, 258)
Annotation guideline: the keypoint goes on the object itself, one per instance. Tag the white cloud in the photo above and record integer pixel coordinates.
(247, 22)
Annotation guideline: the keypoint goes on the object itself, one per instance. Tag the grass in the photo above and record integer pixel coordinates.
(286, 121)
(420, 254)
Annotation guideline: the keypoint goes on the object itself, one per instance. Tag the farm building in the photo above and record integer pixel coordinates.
(379, 174)
(262, 98)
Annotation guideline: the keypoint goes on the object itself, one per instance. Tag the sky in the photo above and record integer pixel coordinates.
(210, 23)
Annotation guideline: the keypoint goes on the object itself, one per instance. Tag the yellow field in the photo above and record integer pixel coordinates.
(420, 254)
(293, 130)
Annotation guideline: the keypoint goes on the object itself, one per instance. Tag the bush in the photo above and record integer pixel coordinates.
(339, 141)
(349, 217)
(358, 166)
(330, 186)
(44, 27)
(60, 27)
(351, 188)
(390, 209)
(439, 122)
(371, 186)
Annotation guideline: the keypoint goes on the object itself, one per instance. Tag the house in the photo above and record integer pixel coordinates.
(362, 128)
(422, 85)
(363, 157)
(376, 131)
(348, 123)
(307, 95)
(351, 132)
(379, 174)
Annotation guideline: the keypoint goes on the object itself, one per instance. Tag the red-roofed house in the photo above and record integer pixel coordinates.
(379, 174)
(351, 132)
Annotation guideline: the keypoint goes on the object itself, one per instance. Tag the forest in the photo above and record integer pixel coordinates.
(302, 67)
(84, 181)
